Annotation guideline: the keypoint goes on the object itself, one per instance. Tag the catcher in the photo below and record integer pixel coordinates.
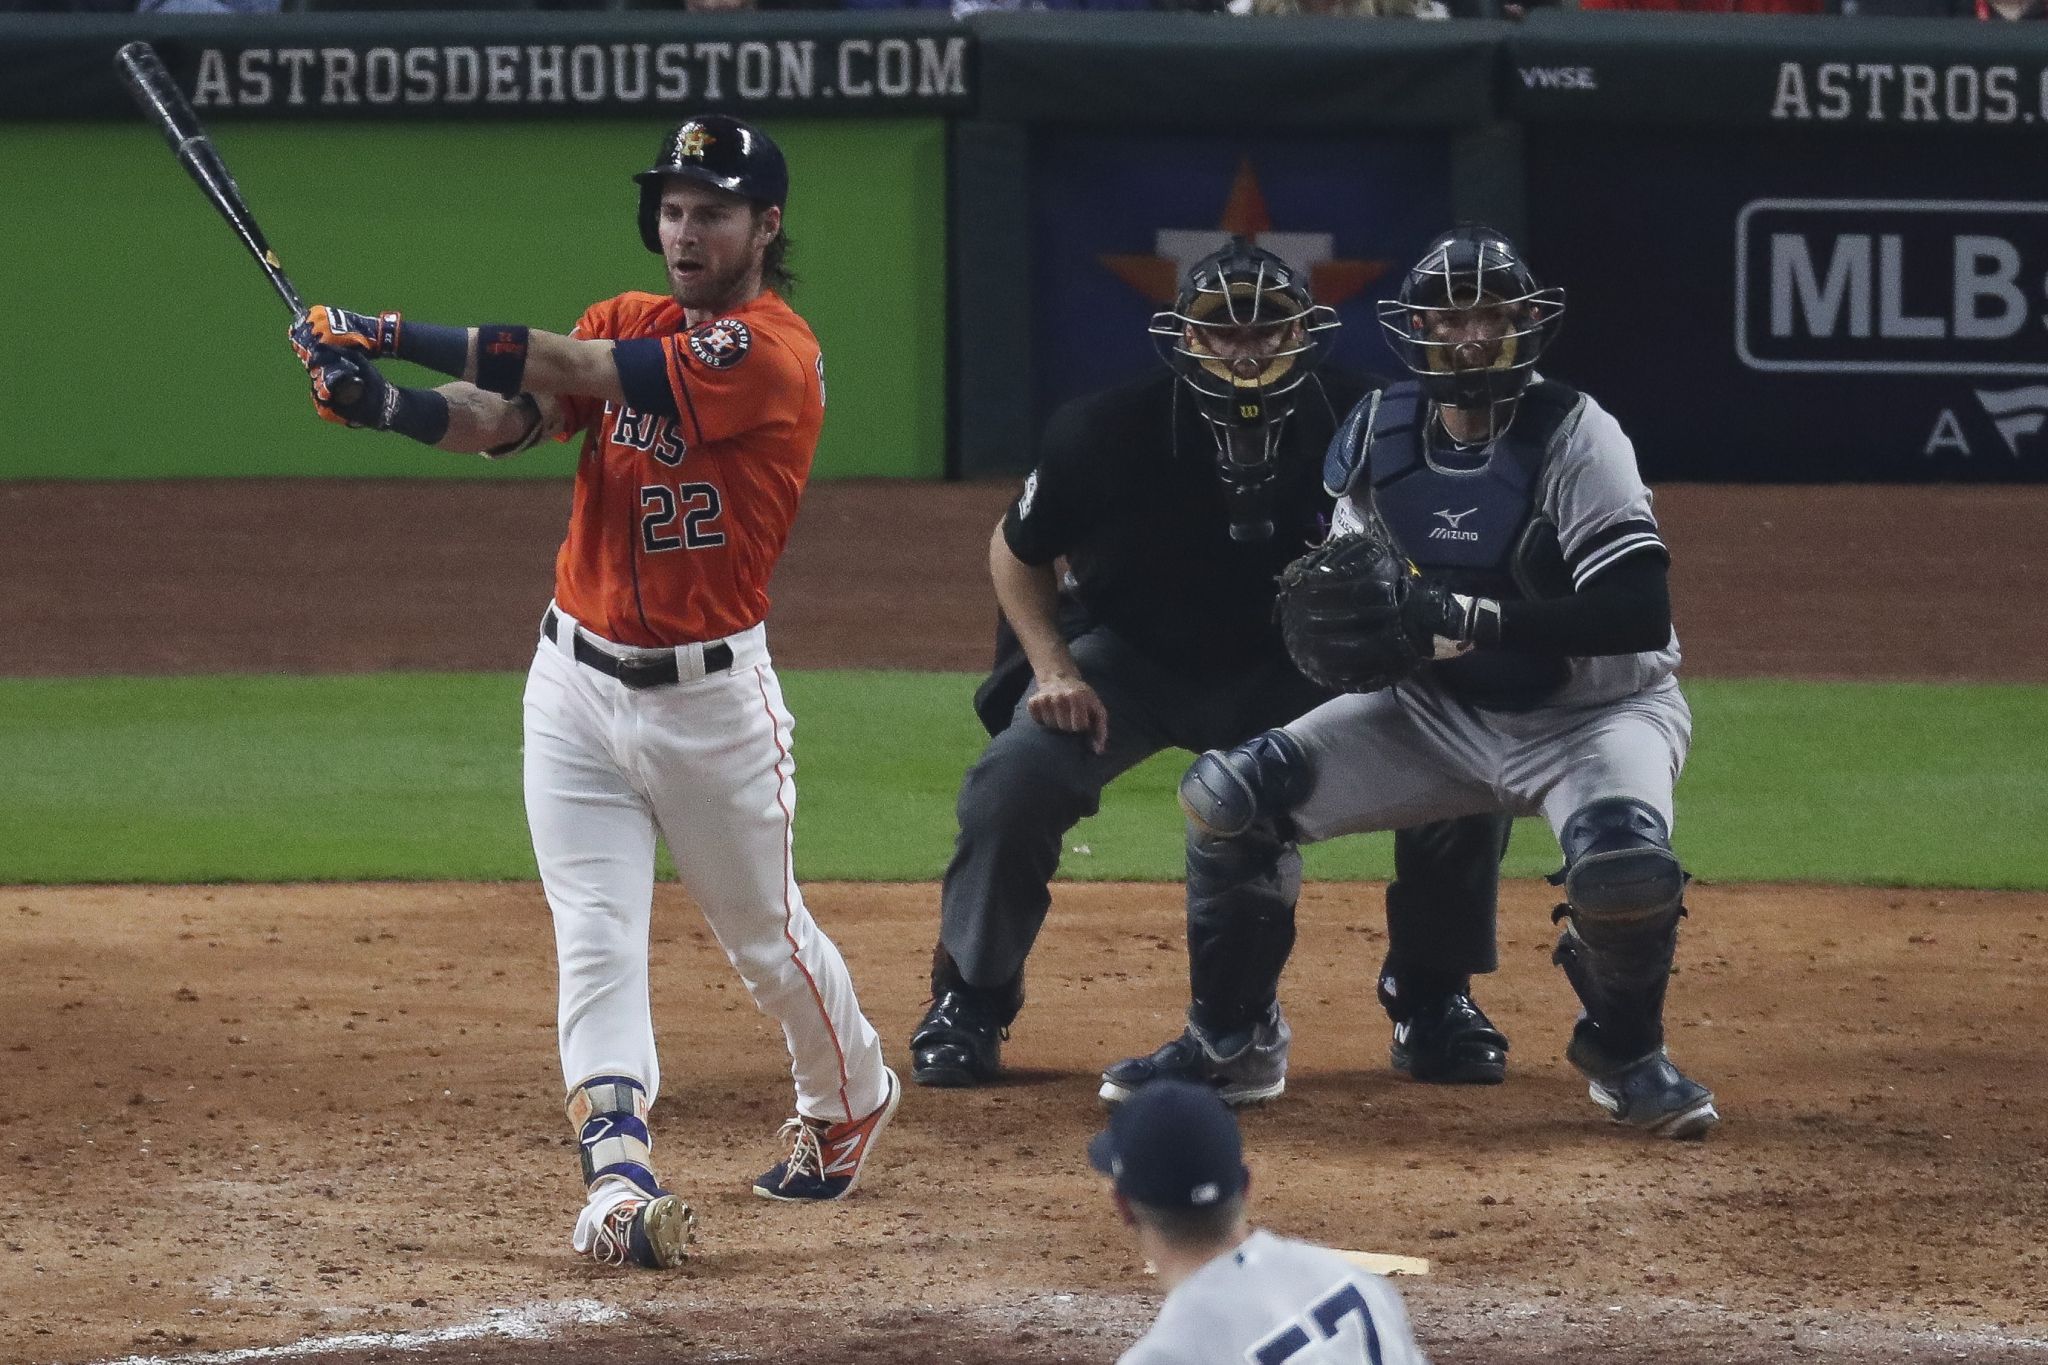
(1176, 501)
(1493, 604)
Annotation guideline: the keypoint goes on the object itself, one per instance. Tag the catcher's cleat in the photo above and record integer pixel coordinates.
(653, 1232)
(958, 1043)
(1648, 1093)
(1244, 1068)
(825, 1160)
(1450, 1042)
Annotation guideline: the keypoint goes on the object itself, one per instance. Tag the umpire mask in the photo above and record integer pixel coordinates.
(1243, 336)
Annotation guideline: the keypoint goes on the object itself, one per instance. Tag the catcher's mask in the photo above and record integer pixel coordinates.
(716, 150)
(1471, 321)
(1243, 336)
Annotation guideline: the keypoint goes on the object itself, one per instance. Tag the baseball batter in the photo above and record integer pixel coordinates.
(652, 709)
(1235, 1295)
(1543, 607)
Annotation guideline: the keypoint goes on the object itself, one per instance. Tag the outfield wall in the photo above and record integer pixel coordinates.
(1795, 249)
(157, 348)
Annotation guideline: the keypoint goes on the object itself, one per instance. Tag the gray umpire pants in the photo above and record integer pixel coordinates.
(1031, 785)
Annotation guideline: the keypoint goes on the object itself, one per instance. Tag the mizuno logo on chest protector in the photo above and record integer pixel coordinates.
(1449, 530)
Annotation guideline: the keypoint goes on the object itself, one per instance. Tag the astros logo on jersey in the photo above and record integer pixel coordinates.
(722, 344)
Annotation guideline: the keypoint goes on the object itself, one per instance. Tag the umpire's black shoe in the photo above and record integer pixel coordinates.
(1450, 1041)
(958, 1043)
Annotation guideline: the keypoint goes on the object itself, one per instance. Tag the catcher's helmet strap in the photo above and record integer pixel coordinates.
(1348, 448)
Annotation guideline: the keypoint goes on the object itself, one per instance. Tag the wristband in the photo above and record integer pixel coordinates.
(1484, 621)
(445, 349)
(501, 358)
(419, 413)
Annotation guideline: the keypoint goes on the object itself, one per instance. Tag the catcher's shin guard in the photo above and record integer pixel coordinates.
(1618, 1043)
(1623, 889)
(1226, 792)
(1241, 896)
(1621, 987)
(1618, 862)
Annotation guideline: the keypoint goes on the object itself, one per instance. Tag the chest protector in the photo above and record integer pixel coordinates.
(1478, 529)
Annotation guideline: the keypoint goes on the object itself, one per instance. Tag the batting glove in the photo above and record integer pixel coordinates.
(349, 390)
(370, 334)
(331, 372)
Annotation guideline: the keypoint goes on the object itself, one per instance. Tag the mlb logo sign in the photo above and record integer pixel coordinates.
(1892, 286)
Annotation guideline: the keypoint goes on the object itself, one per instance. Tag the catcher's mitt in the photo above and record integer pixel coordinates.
(1340, 614)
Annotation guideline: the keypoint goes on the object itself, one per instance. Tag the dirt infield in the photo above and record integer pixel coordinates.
(241, 1118)
(244, 1116)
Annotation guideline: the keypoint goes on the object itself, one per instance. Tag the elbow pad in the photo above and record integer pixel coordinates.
(643, 376)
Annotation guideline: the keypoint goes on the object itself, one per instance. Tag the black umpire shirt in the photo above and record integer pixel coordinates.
(1126, 487)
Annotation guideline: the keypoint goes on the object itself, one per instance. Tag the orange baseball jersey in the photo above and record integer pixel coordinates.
(677, 523)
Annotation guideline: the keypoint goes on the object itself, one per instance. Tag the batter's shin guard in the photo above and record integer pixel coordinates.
(609, 1114)
(1241, 896)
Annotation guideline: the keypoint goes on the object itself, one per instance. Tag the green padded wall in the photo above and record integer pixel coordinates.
(143, 342)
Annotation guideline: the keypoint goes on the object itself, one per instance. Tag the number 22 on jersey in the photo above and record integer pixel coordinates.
(696, 503)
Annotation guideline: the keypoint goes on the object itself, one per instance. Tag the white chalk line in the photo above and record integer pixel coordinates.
(1129, 1311)
(534, 1322)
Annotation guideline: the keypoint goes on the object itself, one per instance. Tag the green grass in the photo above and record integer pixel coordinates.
(417, 776)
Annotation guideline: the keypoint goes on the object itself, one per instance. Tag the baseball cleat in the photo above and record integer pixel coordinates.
(1450, 1042)
(825, 1160)
(654, 1233)
(1245, 1068)
(1650, 1094)
(958, 1043)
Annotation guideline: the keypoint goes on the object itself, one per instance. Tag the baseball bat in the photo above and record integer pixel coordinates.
(157, 95)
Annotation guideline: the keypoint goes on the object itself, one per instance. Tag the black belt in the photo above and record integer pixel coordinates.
(656, 671)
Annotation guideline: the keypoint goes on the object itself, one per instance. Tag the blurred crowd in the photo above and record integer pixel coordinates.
(1361, 9)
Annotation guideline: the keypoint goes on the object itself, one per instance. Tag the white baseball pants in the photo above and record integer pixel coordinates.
(704, 763)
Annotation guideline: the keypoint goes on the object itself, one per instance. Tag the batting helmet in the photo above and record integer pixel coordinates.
(1469, 268)
(716, 150)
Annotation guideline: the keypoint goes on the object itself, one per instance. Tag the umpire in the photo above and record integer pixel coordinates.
(1176, 501)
